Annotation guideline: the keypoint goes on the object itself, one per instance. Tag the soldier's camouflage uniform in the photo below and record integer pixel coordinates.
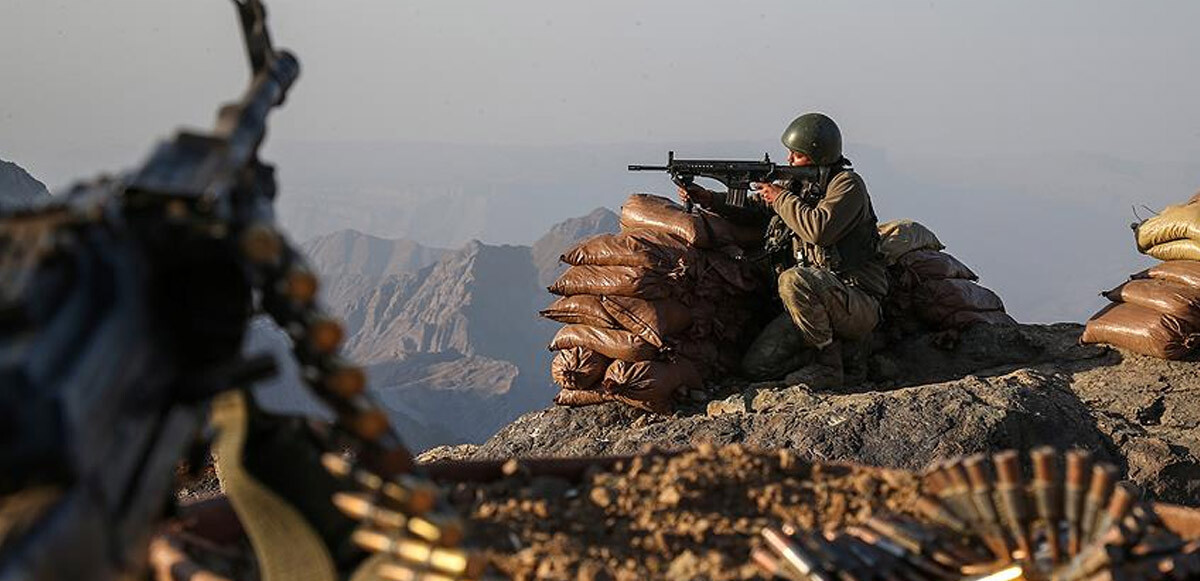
(824, 250)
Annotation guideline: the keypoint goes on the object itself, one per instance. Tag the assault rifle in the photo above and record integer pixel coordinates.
(123, 305)
(737, 175)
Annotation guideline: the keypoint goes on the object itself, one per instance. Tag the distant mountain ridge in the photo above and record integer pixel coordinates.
(451, 339)
(18, 188)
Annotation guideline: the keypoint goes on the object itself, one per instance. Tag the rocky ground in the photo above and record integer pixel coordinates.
(990, 389)
(691, 516)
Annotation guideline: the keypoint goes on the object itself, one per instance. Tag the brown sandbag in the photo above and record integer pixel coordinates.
(702, 229)
(963, 319)
(1180, 222)
(578, 368)
(936, 300)
(641, 248)
(612, 343)
(1176, 250)
(580, 310)
(725, 274)
(1141, 330)
(934, 264)
(899, 237)
(1181, 272)
(624, 281)
(650, 385)
(653, 321)
(1160, 296)
(579, 398)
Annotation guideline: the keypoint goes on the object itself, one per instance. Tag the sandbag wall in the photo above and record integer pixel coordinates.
(1157, 312)
(652, 310)
(930, 289)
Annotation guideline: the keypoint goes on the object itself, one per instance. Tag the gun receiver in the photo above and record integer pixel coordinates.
(737, 175)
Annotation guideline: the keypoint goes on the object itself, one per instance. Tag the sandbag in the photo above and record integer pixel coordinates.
(899, 237)
(925, 265)
(641, 248)
(1160, 296)
(580, 310)
(578, 368)
(1177, 250)
(936, 300)
(702, 229)
(963, 319)
(612, 343)
(722, 274)
(1141, 330)
(579, 398)
(650, 385)
(1181, 272)
(1181, 222)
(625, 281)
(653, 321)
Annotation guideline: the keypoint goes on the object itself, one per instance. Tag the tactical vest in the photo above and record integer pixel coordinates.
(846, 257)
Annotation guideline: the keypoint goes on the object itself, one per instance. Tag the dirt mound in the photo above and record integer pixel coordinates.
(690, 516)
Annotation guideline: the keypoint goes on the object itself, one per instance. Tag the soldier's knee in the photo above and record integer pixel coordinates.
(795, 285)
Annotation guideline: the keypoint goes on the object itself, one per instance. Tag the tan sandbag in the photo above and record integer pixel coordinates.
(579, 398)
(1178, 250)
(719, 270)
(1181, 272)
(653, 321)
(578, 368)
(624, 281)
(963, 319)
(612, 343)
(650, 385)
(934, 264)
(899, 237)
(1160, 296)
(1181, 222)
(1141, 330)
(1194, 199)
(641, 248)
(702, 229)
(580, 310)
(936, 300)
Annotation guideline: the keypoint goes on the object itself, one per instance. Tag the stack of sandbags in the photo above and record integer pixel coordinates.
(1157, 312)
(652, 310)
(930, 289)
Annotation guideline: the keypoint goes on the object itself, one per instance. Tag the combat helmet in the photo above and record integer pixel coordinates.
(815, 135)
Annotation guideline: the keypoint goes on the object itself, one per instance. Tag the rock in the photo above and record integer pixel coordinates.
(1132, 410)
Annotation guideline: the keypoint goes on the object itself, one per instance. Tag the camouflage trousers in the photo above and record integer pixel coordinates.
(819, 308)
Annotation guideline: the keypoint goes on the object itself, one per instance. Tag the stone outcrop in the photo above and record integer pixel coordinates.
(995, 388)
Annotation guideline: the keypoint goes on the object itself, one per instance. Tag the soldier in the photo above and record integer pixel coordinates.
(823, 244)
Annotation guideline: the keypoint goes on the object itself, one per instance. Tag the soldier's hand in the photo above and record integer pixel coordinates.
(768, 192)
(697, 195)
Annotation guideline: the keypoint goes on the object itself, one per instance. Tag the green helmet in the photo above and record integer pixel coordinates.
(815, 135)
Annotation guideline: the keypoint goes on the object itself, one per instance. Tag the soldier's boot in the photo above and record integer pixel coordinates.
(825, 372)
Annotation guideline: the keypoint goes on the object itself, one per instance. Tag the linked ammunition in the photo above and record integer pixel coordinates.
(1079, 464)
(299, 285)
(324, 335)
(914, 540)
(397, 572)
(767, 562)
(261, 244)
(345, 381)
(410, 495)
(1011, 487)
(438, 529)
(794, 556)
(980, 477)
(1047, 494)
(1123, 496)
(423, 555)
(1100, 488)
(916, 561)
(938, 513)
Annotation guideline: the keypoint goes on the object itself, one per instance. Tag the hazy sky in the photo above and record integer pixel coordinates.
(968, 78)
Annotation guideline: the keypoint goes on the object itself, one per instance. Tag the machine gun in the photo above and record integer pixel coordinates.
(123, 304)
(737, 175)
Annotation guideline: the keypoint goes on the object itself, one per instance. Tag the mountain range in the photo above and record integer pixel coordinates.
(451, 339)
(18, 188)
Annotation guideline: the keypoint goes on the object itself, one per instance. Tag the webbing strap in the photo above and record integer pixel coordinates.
(286, 546)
